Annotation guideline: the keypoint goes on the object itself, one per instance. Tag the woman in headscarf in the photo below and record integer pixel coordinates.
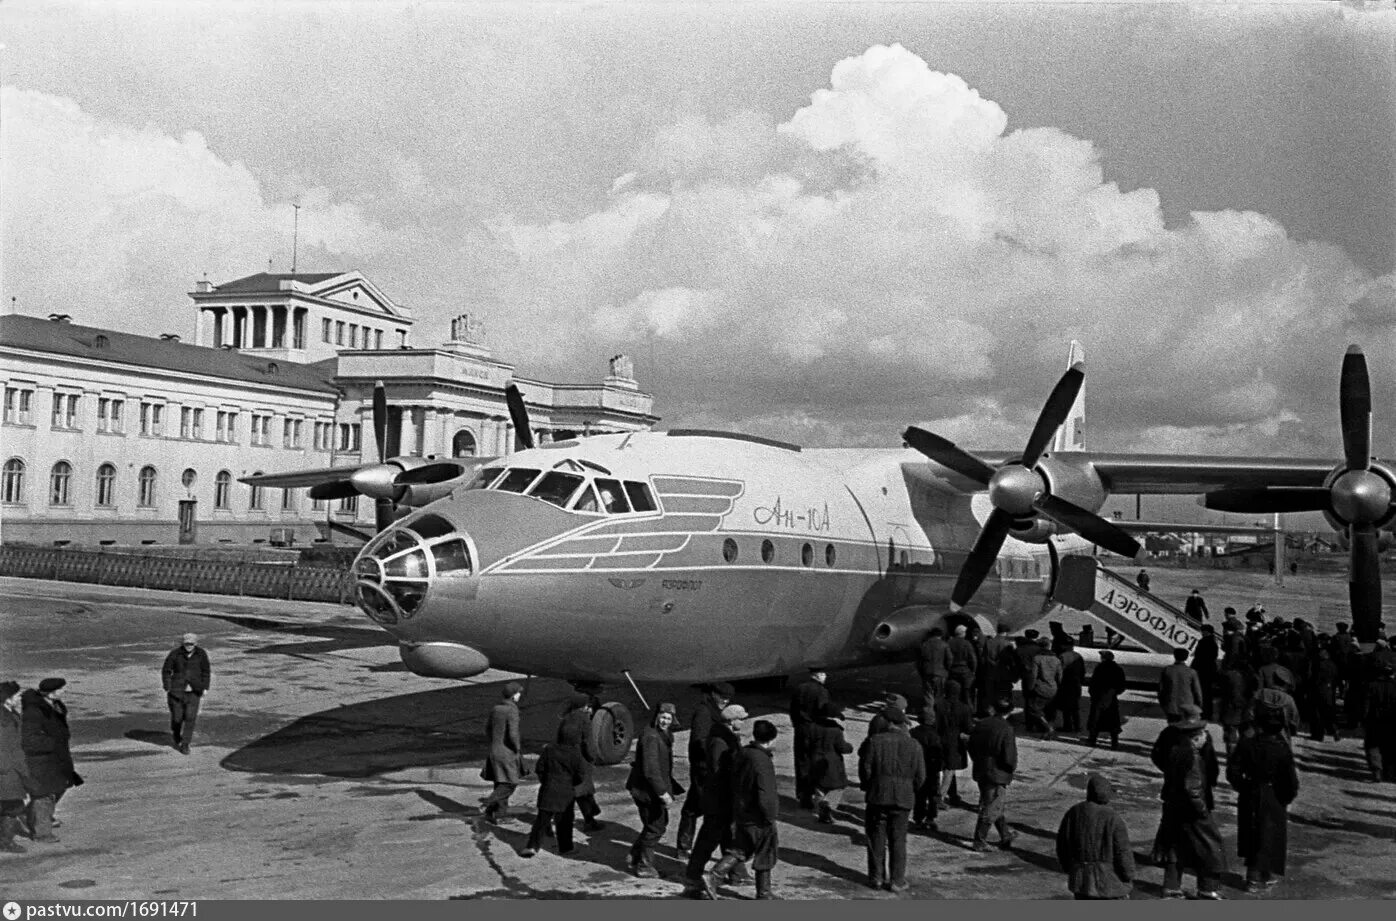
(1263, 774)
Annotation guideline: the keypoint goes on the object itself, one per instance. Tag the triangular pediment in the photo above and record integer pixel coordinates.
(354, 290)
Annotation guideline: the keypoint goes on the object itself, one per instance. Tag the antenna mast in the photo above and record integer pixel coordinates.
(295, 237)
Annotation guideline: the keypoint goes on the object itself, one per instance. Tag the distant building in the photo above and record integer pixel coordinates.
(110, 437)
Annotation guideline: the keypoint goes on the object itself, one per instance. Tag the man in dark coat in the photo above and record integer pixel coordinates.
(1046, 671)
(652, 786)
(1206, 658)
(1073, 681)
(998, 669)
(964, 660)
(954, 720)
(576, 720)
(933, 664)
(927, 735)
(755, 809)
(994, 750)
(1235, 687)
(1093, 846)
(1106, 685)
(560, 769)
(47, 754)
(1263, 774)
(1188, 837)
(504, 765)
(1379, 723)
(1178, 686)
(14, 771)
(717, 830)
(806, 703)
(1195, 608)
(715, 697)
(1142, 580)
(186, 675)
(1323, 696)
(890, 774)
(828, 775)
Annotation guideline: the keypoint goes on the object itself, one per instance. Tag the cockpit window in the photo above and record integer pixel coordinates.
(451, 555)
(612, 496)
(556, 487)
(484, 477)
(517, 479)
(640, 498)
(430, 526)
(586, 501)
(412, 565)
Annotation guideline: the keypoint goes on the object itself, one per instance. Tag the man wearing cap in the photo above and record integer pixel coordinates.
(891, 774)
(1093, 846)
(1188, 837)
(1046, 679)
(715, 697)
(186, 675)
(964, 660)
(756, 807)
(994, 750)
(47, 754)
(806, 703)
(14, 770)
(652, 786)
(1179, 685)
(1195, 608)
(720, 751)
(504, 764)
(933, 664)
(576, 720)
(1106, 685)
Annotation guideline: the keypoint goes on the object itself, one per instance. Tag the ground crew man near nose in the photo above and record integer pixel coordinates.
(715, 697)
(721, 750)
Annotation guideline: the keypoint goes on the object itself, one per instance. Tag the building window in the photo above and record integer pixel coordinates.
(65, 410)
(59, 481)
(186, 417)
(325, 330)
(145, 488)
(106, 486)
(152, 419)
(222, 488)
(189, 477)
(349, 504)
(402, 338)
(288, 500)
(353, 335)
(350, 435)
(17, 403)
(377, 338)
(292, 433)
(338, 332)
(12, 484)
(109, 415)
(463, 444)
(198, 425)
(317, 505)
(254, 502)
(261, 429)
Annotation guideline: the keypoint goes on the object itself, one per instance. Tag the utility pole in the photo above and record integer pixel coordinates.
(1279, 556)
(295, 236)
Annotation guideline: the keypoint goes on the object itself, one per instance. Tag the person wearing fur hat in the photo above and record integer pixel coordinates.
(185, 675)
(1263, 775)
(994, 750)
(15, 782)
(756, 807)
(891, 773)
(652, 786)
(504, 765)
(807, 701)
(1188, 837)
(1093, 846)
(828, 775)
(576, 719)
(720, 749)
(48, 754)
(715, 697)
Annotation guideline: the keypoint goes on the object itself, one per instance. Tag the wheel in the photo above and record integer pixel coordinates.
(612, 729)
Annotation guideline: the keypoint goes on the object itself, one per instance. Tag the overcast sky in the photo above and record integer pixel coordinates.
(810, 221)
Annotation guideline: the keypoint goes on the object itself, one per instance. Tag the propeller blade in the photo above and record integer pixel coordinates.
(1264, 501)
(518, 413)
(384, 513)
(380, 420)
(439, 472)
(1355, 408)
(944, 452)
(981, 558)
(1364, 582)
(1053, 414)
(335, 489)
(1089, 525)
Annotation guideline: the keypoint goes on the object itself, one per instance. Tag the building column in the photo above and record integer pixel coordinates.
(298, 328)
(199, 327)
(407, 442)
(218, 330)
(277, 334)
(431, 432)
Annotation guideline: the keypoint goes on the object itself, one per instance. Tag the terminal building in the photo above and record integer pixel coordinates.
(114, 438)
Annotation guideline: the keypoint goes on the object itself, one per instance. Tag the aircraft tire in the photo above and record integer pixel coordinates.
(612, 731)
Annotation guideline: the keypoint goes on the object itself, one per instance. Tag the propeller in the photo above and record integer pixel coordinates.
(1356, 495)
(518, 414)
(383, 500)
(1018, 492)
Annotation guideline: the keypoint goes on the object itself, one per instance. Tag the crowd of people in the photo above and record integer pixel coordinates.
(1261, 682)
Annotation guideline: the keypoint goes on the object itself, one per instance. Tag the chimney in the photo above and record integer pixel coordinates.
(169, 337)
(203, 286)
(60, 317)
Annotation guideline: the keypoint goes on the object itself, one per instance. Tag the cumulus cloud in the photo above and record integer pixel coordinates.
(117, 222)
(894, 251)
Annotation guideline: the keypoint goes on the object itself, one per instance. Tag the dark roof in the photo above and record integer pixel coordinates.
(32, 333)
(268, 283)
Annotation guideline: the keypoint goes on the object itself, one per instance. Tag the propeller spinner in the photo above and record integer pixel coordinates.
(1357, 494)
(1018, 491)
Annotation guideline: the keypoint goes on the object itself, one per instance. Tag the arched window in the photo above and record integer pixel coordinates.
(145, 488)
(13, 484)
(255, 501)
(106, 485)
(222, 489)
(189, 477)
(59, 483)
(463, 445)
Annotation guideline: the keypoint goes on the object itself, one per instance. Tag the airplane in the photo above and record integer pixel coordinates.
(697, 556)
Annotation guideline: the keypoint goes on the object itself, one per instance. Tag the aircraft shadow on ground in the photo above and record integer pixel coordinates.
(328, 638)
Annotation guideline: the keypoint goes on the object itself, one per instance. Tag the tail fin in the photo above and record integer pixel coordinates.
(1071, 436)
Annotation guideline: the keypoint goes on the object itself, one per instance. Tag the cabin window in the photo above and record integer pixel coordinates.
(517, 479)
(830, 555)
(807, 555)
(768, 551)
(556, 487)
(729, 550)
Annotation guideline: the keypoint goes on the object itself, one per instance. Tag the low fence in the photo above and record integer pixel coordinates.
(287, 579)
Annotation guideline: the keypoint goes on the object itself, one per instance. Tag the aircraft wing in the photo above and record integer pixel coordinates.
(1174, 474)
(296, 479)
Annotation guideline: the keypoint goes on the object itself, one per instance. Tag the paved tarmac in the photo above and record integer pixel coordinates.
(323, 770)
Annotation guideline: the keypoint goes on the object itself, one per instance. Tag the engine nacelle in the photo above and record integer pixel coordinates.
(1073, 479)
(905, 629)
(1035, 531)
